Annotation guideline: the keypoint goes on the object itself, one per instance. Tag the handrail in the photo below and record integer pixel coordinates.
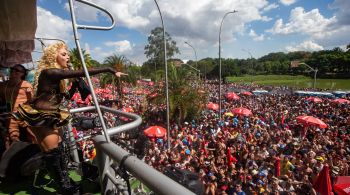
(158, 182)
(96, 27)
(86, 72)
(114, 130)
(107, 151)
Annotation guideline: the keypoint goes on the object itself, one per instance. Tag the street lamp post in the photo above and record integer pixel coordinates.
(315, 70)
(195, 54)
(251, 56)
(166, 79)
(222, 21)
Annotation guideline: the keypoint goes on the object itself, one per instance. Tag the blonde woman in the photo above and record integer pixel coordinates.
(45, 114)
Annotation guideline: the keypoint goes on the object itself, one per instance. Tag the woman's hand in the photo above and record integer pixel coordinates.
(119, 74)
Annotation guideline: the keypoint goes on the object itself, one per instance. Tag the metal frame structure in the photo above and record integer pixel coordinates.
(108, 153)
(315, 70)
(222, 21)
(166, 78)
(195, 54)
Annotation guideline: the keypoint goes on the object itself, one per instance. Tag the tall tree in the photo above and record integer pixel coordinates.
(118, 62)
(184, 99)
(76, 61)
(154, 50)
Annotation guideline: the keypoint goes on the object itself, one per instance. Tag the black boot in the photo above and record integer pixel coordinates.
(56, 164)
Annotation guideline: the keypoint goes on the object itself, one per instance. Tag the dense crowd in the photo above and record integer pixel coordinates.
(269, 152)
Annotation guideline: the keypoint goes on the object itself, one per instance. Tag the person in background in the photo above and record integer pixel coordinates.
(47, 112)
(14, 92)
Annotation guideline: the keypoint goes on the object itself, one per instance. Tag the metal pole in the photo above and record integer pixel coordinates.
(251, 56)
(155, 180)
(166, 78)
(195, 54)
(222, 21)
(313, 69)
(94, 97)
(315, 78)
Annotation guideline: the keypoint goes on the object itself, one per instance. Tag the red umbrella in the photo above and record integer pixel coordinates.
(125, 90)
(155, 131)
(128, 109)
(242, 111)
(342, 185)
(212, 106)
(341, 101)
(247, 93)
(310, 120)
(153, 95)
(314, 99)
(138, 92)
(323, 183)
(232, 96)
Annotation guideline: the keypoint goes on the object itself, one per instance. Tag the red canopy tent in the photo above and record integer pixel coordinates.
(212, 106)
(242, 111)
(155, 132)
(342, 185)
(310, 120)
(232, 96)
(128, 109)
(247, 93)
(314, 99)
(341, 101)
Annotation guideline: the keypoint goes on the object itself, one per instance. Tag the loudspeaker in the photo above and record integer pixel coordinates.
(21, 159)
(186, 178)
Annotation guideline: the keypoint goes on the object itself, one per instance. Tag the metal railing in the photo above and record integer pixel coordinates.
(109, 153)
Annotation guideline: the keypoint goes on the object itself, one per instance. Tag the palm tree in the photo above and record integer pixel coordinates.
(118, 62)
(184, 100)
(76, 61)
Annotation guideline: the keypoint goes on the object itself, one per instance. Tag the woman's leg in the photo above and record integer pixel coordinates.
(56, 160)
(47, 138)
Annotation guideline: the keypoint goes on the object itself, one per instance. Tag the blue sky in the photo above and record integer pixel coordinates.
(258, 28)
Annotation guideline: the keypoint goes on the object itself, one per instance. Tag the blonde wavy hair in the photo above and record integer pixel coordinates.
(48, 60)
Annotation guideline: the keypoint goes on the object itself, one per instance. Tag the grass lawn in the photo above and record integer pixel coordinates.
(293, 81)
(25, 186)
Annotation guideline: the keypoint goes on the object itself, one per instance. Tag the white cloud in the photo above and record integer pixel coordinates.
(52, 26)
(270, 7)
(255, 36)
(288, 2)
(120, 46)
(83, 12)
(305, 46)
(310, 23)
(183, 18)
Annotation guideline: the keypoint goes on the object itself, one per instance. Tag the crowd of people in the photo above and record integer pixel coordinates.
(267, 152)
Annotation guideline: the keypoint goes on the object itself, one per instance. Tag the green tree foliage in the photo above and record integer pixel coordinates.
(184, 99)
(76, 61)
(118, 62)
(154, 50)
(334, 62)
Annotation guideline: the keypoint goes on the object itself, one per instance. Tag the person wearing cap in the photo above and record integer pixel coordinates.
(14, 92)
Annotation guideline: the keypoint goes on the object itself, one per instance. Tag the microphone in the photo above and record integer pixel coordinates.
(70, 66)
